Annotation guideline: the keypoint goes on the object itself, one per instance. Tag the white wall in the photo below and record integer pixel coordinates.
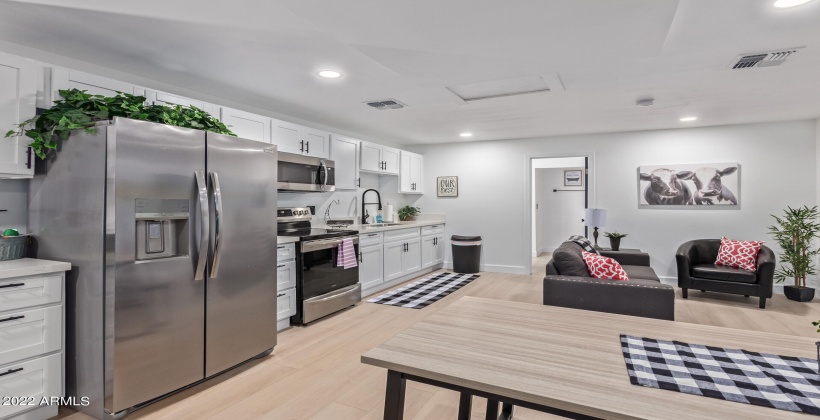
(778, 169)
(560, 212)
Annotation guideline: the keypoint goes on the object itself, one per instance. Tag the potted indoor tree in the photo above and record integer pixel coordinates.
(615, 239)
(408, 212)
(795, 233)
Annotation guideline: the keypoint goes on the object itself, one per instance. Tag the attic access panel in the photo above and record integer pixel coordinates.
(500, 88)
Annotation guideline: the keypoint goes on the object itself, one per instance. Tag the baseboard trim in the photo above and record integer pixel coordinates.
(495, 268)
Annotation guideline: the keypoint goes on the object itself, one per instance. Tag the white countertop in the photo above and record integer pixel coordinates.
(401, 225)
(30, 267)
(286, 239)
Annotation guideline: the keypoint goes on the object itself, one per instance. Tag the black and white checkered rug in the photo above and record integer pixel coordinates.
(787, 383)
(430, 289)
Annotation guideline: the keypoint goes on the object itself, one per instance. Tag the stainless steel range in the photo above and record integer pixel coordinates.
(322, 287)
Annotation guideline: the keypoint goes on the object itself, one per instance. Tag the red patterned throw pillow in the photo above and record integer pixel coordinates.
(738, 254)
(602, 267)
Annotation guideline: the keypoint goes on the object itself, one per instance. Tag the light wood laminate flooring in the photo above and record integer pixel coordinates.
(315, 372)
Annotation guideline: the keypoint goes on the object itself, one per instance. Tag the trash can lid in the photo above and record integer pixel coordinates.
(465, 238)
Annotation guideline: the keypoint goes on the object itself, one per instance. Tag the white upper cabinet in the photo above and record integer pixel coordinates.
(379, 159)
(62, 78)
(18, 96)
(247, 125)
(301, 140)
(344, 152)
(162, 98)
(316, 142)
(410, 178)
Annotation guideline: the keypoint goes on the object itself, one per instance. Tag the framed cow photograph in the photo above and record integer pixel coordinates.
(699, 184)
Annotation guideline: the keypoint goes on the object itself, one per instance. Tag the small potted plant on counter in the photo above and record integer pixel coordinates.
(795, 233)
(408, 213)
(615, 239)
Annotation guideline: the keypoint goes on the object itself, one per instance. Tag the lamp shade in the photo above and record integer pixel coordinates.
(595, 217)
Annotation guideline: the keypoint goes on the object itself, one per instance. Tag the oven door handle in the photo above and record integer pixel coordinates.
(340, 292)
(320, 244)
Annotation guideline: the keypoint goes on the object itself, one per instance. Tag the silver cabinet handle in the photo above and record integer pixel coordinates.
(217, 224)
(205, 233)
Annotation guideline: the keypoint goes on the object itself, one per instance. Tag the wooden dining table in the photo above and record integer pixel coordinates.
(562, 361)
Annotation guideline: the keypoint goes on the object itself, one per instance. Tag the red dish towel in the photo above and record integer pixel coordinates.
(347, 254)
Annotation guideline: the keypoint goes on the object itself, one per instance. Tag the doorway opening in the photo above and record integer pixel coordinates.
(560, 193)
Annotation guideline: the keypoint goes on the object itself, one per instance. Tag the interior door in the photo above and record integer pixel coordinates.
(241, 282)
(159, 306)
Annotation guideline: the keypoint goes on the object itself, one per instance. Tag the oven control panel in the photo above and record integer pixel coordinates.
(294, 212)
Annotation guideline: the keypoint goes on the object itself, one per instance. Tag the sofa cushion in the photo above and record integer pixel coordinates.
(723, 273)
(738, 254)
(641, 272)
(601, 267)
(568, 261)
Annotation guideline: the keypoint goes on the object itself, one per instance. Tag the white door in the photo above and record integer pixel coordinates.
(412, 257)
(428, 251)
(438, 256)
(416, 172)
(247, 125)
(62, 78)
(371, 266)
(391, 159)
(288, 136)
(316, 142)
(393, 257)
(405, 176)
(344, 152)
(370, 157)
(18, 96)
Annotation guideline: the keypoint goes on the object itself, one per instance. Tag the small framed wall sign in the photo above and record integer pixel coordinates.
(574, 178)
(447, 186)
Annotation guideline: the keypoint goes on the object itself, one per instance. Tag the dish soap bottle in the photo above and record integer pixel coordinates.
(379, 216)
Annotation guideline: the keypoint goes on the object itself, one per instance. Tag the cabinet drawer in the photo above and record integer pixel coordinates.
(32, 380)
(285, 304)
(432, 230)
(401, 234)
(30, 333)
(285, 252)
(285, 275)
(25, 292)
(368, 239)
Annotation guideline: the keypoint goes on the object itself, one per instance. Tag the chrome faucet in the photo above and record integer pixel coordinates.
(327, 210)
(379, 196)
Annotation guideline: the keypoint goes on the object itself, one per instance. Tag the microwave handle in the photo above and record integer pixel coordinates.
(324, 168)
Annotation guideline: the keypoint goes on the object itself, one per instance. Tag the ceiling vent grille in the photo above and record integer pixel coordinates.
(386, 104)
(766, 59)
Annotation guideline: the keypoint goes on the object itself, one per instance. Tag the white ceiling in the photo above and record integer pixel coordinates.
(598, 56)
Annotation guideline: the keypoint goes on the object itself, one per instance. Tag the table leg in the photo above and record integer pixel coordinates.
(506, 411)
(394, 396)
(492, 410)
(465, 406)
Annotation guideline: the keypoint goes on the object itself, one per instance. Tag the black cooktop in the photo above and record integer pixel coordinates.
(310, 234)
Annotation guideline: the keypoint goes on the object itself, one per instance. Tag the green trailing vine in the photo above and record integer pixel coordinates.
(80, 110)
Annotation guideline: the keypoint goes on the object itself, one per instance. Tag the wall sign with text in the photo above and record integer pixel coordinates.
(447, 186)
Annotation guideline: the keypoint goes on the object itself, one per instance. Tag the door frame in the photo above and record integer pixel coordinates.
(589, 186)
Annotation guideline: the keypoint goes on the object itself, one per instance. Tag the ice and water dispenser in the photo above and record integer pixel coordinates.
(162, 228)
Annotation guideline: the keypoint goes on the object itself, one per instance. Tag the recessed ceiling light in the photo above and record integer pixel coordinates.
(782, 4)
(466, 134)
(330, 74)
(687, 119)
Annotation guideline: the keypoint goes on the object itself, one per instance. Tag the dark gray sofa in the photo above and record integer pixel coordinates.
(568, 284)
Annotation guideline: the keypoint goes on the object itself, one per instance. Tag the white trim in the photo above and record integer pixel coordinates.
(498, 268)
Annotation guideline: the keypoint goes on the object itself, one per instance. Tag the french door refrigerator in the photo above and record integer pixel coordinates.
(171, 233)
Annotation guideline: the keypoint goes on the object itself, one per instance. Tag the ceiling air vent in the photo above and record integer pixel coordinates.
(386, 104)
(765, 59)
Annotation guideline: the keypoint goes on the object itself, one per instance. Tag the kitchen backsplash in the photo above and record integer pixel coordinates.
(14, 200)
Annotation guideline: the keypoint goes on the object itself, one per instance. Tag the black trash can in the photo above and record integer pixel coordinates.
(466, 253)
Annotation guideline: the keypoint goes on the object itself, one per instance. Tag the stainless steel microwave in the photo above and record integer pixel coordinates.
(305, 173)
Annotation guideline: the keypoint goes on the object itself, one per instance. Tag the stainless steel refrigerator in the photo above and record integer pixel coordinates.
(171, 233)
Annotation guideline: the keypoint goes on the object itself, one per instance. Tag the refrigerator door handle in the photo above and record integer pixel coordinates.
(199, 274)
(217, 224)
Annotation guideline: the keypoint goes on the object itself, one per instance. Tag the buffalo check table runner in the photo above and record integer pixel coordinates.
(428, 290)
(783, 382)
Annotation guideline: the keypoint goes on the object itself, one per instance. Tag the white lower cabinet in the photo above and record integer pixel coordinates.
(31, 381)
(432, 250)
(371, 268)
(285, 284)
(402, 256)
(398, 255)
(285, 304)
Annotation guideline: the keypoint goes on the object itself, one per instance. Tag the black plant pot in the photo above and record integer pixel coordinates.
(615, 243)
(800, 294)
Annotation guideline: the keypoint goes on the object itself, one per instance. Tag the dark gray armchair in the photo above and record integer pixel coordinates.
(697, 270)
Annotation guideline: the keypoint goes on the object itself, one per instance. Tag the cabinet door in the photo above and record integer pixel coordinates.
(393, 258)
(405, 176)
(391, 159)
(288, 136)
(316, 142)
(285, 304)
(428, 251)
(370, 157)
(285, 275)
(162, 98)
(416, 172)
(438, 256)
(18, 96)
(62, 78)
(344, 152)
(412, 257)
(371, 267)
(247, 125)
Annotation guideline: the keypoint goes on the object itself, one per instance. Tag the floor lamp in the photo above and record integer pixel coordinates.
(595, 218)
